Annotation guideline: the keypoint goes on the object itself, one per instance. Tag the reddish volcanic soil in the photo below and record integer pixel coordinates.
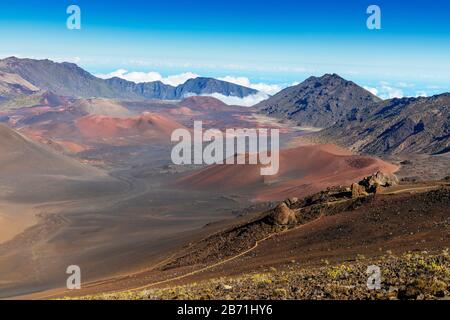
(72, 147)
(203, 104)
(303, 170)
(147, 125)
(182, 111)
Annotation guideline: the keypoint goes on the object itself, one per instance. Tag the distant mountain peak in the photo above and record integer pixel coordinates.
(319, 101)
(325, 77)
(332, 76)
(11, 58)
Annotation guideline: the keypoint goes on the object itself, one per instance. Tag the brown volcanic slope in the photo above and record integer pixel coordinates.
(329, 226)
(407, 125)
(22, 156)
(332, 220)
(36, 181)
(54, 116)
(101, 106)
(182, 111)
(32, 172)
(210, 105)
(303, 170)
(146, 125)
(200, 103)
(76, 125)
(211, 111)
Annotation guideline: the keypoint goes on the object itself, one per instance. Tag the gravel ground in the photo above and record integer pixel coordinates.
(409, 276)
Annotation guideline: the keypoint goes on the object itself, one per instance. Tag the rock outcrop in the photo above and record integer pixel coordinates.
(358, 190)
(282, 215)
(373, 184)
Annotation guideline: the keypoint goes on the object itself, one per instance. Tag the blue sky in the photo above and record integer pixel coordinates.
(267, 43)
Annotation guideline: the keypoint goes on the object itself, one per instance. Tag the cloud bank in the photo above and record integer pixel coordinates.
(265, 90)
(175, 80)
(247, 101)
(140, 77)
(269, 89)
(387, 91)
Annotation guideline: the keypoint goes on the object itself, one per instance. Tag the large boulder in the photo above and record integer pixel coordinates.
(373, 183)
(358, 190)
(282, 215)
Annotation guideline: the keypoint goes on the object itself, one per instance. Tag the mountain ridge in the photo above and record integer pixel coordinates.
(406, 125)
(68, 79)
(195, 86)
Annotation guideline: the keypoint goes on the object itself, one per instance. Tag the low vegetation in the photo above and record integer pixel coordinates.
(413, 275)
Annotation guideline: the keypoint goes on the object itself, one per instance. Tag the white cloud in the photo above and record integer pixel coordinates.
(435, 87)
(247, 101)
(390, 92)
(421, 94)
(139, 77)
(405, 85)
(178, 79)
(269, 89)
(68, 59)
(118, 73)
(385, 90)
(372, 90)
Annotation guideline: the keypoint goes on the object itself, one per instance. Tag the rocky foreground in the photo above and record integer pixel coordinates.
(409, 276)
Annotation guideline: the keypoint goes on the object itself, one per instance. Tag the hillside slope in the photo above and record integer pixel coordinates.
(66, 79)
(407, 125)
(319, 101)
(303, 170)
(32, 172)
(318, 247)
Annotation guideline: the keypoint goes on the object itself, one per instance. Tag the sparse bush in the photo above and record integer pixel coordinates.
(280, 293)
(338, 271)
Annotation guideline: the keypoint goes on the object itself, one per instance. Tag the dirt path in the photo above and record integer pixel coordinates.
(204, 268)
(416, 189)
